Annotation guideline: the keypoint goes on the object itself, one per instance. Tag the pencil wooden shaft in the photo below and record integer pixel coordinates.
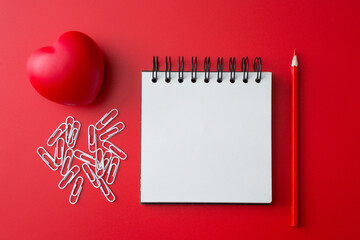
(294, 147)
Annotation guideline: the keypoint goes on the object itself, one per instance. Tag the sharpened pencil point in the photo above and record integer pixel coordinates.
(294, 60)
(294, 52)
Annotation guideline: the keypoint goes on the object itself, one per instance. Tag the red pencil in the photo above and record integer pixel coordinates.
(294, 142)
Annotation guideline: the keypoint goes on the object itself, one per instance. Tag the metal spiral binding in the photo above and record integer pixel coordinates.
(181, 70)
(257, 68)
(220, 66)
(193, 69)
(207, 69)
(167, 69)
(232, 69)
(155, 68)
(245, 68)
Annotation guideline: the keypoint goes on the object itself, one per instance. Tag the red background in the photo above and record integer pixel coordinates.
(326, 36)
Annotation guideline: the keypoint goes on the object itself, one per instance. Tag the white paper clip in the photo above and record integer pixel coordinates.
(99, 159)
(105, 163)
(92, 179)
(77, 194)
(100, 124)
(114, 149)
(114, 166)
(60, 130)
(73, 139)
(92, 139)
(108, 155)
(73, 172)
(68, 157)
(101, 171)
(73, 134)
(47, 158)
(108, 194)
(112, 131)
(59, 151)
(82, 156)
(69, 122)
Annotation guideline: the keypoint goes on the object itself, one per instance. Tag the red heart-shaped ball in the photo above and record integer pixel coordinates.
(70, 71)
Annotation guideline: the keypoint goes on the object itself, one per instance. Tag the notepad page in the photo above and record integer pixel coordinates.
(205, 142)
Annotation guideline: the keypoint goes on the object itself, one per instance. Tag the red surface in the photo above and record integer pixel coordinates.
(294, 148)
(326, 35)
(70, 71)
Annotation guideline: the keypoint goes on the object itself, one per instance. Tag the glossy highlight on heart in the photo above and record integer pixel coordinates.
(69, 72)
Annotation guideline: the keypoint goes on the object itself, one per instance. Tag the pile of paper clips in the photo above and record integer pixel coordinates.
(100, 165)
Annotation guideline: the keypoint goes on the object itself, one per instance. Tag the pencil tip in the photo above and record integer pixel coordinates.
(294, 59)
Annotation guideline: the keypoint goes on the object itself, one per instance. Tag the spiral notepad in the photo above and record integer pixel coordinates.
(206, 135)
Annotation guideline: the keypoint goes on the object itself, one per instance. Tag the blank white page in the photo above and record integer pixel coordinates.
(205, 142)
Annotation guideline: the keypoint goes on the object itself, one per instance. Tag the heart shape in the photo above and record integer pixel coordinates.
(70, 71)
